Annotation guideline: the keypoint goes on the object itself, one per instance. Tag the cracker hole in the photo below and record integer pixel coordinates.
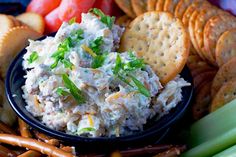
(162, 54)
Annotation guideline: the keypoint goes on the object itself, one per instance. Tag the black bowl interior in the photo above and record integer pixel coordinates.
(15, 80)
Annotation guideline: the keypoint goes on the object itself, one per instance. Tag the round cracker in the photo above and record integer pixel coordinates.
(226, 94)
(6, 23)
(161, 40)
(201, 20)
(181, 7)
(139, 6)
(201, 69)
(213, 29)
(226, 47)
(206, 76)
(193, 59)
(123, 20)
(151, 5)
(226, 73)
(160, 5)
(33, 20)
(202, 101)
(125, 5)
(191, 26)
(170, 5)
(12, 43)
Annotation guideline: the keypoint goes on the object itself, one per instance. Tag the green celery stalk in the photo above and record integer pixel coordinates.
(213, 125)
(230, 152)
(213, 133)
(213, 146)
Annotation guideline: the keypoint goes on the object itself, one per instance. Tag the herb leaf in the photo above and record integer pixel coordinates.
(118, 65)
(62, 91)
(88, 129)
(74, 90)
(109, 21)
(33, 57)
(67, 64)
(142, 89)
(72, 20)
(98, 61)
(78, 34)
(62, 49)
(96, 44)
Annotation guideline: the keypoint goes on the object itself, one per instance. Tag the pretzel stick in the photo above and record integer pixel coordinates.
(30, 153)
(46, 138)
(4, 152)
(173, 152)
(33, 144)
(6, 129)
(154, 149)
(24, 128)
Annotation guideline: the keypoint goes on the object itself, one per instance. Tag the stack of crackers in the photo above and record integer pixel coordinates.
(14, 35)
(212, 33)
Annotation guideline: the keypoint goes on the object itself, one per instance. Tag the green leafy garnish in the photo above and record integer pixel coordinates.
(122, 71)
(59, 55)
(33, 57)
(107, 20)
(98, 61)
(96, 44)
(73, 89)
(67, 64)
(142, 89)
(78, 34)
(72, 20)
(61, 91)
(88, 129)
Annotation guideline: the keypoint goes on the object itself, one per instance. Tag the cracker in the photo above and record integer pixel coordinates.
(181, 7)
(193, 59)
(123, 20)
(125, 5)
(226, 47)
(33, 20)
(226, 73)
(201, 20)
(12, 43)
(151, 5)
(161, 40)
(139, 6)
(6, 23)
(202, 101)
(213, 29)
(206, 76)
(191, 26)
(201, 69)
(160, 5)
(170, 5)
(226, 94)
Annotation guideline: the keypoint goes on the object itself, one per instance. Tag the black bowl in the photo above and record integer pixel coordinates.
(153, 131)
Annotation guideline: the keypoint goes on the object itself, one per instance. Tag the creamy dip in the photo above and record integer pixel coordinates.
(78, 83)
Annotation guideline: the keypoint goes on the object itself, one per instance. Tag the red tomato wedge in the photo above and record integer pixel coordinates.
(52, 21)
(105, 5)
(42, 7)
(73, 8)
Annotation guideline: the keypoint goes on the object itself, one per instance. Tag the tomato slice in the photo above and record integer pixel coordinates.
(109, 7)
(52, 21)
(73, 8)
(42, 7)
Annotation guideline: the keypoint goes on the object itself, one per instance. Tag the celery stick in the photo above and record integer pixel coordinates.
(230, 152)
(213, 146)
(213, 125)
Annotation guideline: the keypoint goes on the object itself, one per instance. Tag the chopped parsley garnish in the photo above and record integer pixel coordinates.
(96, 44)
(107, 20)
(122, 71)
(33, 57)
(78, 34)
(73, 89)
(84, 130)
(59, 55)
(72, 20)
